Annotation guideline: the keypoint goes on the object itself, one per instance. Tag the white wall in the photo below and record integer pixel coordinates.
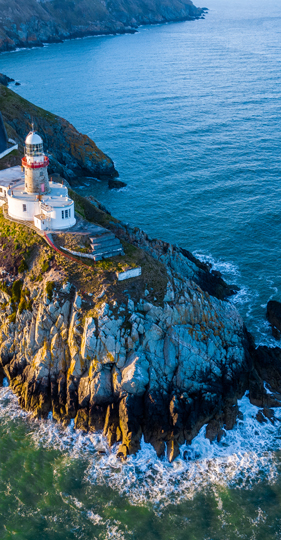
(42, 225)
(133, 272)
(56, 217)
(15, 208)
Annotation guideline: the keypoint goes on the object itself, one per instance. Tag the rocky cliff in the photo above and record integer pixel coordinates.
(71, 154)
(28, 23)
(155, 356)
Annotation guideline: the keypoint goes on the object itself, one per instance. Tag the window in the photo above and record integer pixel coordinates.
(66, 214)
(24, 207)
(69, 212)
(62, 214)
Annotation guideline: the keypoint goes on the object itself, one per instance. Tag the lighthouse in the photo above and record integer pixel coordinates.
(31, 197)
(35, 164)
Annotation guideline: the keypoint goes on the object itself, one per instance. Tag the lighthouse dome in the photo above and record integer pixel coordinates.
(33, 138)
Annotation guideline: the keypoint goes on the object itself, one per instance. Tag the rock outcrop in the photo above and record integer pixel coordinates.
(71, 154)
(156, 356)
(5, 80)
(29, 23)
(274, 317)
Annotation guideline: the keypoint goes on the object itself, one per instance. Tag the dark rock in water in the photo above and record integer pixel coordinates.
(209, 280)
(5, 80)
(266, 371)
(268, 365)
(17, 83)
(264, 415)
(222, 421)
(115, 184)
(274, 317)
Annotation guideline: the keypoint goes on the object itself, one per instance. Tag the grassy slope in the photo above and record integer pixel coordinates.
(18, 243)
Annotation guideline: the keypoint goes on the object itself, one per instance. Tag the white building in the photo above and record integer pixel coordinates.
(31, 196)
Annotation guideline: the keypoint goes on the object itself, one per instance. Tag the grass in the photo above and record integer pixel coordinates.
(25, 251)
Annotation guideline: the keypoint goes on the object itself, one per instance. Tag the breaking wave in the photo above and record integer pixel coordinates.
(246, 455)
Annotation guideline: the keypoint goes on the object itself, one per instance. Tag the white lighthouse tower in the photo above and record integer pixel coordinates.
(31, 197)
(35, 165)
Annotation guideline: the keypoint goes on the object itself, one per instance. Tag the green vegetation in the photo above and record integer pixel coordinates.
(23, 266)
(12, 317)
(89, 211)
(45, 267)
(16, 290)
(49, 289)
(17, 245)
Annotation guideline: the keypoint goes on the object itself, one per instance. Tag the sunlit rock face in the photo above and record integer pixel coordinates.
(159, 370)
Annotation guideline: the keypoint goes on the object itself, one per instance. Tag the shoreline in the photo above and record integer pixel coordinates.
(98, 34)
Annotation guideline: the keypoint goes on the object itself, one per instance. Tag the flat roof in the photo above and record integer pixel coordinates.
(57, 198)
(11, 176)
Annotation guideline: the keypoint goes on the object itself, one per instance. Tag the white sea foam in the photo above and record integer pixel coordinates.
(225, 267)
(246, 300)
(246, 455)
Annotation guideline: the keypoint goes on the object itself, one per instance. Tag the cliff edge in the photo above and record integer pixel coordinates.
(154, 356)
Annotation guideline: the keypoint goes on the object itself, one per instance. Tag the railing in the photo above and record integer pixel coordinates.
(44, 163)
(49, 239)
(46, 207)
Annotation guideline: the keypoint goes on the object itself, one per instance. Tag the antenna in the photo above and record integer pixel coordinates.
(32, 125)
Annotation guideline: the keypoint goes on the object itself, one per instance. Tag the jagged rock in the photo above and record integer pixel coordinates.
(158, 370)
(268, 369)
(274, 316)
(116, 184)
(5, 80)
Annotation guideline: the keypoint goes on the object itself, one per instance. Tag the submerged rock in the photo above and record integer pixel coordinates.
(116, 184)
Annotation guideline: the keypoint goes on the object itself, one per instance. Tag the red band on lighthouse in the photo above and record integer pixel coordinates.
(35, 165)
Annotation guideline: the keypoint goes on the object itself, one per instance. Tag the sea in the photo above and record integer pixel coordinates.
(190, 114)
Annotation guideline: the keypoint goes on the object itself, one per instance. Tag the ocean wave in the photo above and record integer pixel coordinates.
(226, 268)
(244, 457)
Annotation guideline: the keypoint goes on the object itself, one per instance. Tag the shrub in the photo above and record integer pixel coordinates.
(22, 305)
(12, 317)
(23, 266)
(49, 289)
(45, 267)
(16, 290)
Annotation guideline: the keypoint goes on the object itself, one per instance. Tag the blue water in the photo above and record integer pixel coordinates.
(190, 114)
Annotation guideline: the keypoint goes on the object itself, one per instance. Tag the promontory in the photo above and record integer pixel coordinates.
(29, 23)
(123, 334)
